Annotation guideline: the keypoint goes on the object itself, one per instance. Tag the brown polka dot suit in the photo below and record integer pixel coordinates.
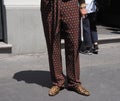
(61, 18)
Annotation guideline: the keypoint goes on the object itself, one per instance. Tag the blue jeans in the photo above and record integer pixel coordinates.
(90, 35)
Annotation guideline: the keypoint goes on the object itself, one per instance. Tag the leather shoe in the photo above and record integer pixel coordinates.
(80, 90)
(95, 49)
(54, 90)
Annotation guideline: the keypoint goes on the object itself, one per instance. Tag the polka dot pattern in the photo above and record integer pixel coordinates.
(69, 30)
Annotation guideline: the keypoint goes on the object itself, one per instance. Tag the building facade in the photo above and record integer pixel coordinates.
(23, 26)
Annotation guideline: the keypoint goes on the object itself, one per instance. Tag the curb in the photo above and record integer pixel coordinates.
(105, 41)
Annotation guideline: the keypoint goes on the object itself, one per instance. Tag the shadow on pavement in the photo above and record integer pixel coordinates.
(38, 77)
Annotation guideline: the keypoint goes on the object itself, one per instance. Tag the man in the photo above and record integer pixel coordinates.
(61, 18)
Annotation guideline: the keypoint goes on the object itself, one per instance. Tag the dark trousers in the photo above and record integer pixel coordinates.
(90, 35)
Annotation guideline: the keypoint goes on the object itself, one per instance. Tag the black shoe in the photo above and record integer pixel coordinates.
(87, 52)
(95, 49)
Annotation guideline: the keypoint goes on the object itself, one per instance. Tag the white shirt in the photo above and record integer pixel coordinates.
(90, 6)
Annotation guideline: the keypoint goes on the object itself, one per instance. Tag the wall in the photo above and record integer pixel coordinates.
(24, 26)
(21, 2)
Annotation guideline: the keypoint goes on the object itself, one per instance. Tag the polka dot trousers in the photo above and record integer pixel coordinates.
(69, 30)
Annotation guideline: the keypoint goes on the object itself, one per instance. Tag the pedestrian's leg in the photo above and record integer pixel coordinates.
(86, 32)
(93, 28)
(94, 34)
(70, 21)
(70, 18)
(87, 36)
(53, 45)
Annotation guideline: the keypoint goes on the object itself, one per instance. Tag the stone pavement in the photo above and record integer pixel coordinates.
(27, 78)
(108, 34)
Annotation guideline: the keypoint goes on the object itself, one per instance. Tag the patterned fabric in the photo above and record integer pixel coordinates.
(68, 21)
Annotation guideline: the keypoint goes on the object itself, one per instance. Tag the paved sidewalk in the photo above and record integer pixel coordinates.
(108, 34)
(27, 78)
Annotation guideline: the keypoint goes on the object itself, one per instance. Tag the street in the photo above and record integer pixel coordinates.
(26, 77)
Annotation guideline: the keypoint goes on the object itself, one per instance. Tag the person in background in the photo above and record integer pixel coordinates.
(61, 17)
(90, 35)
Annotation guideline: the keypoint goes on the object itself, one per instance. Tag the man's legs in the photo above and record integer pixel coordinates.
(71, 47)
(53, 46)
(70, 21)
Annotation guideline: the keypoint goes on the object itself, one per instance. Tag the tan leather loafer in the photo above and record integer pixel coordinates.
(80, 90)
(54, 90)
